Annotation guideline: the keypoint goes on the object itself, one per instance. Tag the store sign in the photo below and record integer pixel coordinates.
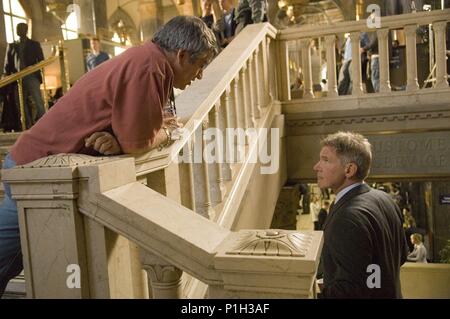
(444, 199)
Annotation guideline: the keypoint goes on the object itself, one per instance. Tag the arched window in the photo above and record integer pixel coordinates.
(14, 14)
(70, 28)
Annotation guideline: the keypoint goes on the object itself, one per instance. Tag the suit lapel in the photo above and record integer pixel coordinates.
(363, 188)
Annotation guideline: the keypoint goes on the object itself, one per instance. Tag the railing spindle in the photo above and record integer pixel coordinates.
(330, 41)
(243, 99)
(383, 51)
(216, 179)
(226, 117)
(283, 76)
(306, 67)
(21, 104)
(355, 66)
(411, 58)
(249, 94)
(254, 84)
(441, 67)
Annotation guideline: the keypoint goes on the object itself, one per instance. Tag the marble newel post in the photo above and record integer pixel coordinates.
(268, 264)
(67, 254)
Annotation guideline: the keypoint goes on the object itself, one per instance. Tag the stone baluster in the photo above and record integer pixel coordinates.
(226, 125)
(164, 280)
(237, 102)
(244, 106)
(254, 86)
(264, 62)
(355, 66)
(441, 63)
(190, 169)
(215, 168)
(283, 67)
(330, 41)
(259, 74)
(201, 175)
(249, 93)
(383, 50)
(411, 58)
(306, 67)
(272, 92)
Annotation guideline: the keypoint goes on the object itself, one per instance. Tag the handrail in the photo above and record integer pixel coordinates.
(194, 104)
(392, 22)
(27, 71)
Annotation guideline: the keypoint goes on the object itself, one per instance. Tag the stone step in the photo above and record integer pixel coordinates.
(8, 139)
(16, 288)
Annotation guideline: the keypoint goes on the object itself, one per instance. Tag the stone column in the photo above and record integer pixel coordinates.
(86, 18)
(188, 7)
(330, 41)
(441, 63)
(411, 58)
(164, 280)
(282, 67)
(306, 67)
(357, 88)
(151, 12)
(383, 50)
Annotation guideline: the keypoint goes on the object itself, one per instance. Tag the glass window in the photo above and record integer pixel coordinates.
(6, 7)
(70, 28)
(14, 14)
(17, 9)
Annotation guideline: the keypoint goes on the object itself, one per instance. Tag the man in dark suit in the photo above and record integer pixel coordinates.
(364, 243)
(22, 54)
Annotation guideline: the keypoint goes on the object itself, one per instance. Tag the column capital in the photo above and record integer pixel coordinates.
(382, 33)
(304, 43)
(410, 30)
(330, 40)
(440, 26)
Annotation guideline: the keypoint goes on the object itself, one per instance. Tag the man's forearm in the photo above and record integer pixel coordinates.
(160, 138)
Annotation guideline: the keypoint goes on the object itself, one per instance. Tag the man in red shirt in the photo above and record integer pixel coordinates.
(115, 108)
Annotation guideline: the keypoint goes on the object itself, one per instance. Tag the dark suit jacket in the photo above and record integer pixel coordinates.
(363, 228)
(33, 55)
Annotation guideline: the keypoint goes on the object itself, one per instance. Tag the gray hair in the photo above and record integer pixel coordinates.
(351, 148)
(187, 33)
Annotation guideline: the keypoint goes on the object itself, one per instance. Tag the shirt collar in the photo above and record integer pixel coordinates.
(346, 190)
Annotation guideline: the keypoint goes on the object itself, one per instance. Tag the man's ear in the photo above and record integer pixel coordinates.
(350, 170)
(182, 56)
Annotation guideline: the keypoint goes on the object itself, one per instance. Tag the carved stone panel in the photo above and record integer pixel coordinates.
(405, 155)
(272, 243)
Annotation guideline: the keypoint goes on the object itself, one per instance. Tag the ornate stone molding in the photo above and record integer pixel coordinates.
(272, 243)
(383, 118)
(64, 160)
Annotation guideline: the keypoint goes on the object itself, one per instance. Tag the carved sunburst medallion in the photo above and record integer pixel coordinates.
(272, 243)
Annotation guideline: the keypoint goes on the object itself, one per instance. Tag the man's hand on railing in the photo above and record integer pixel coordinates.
(104, 143)
(172, 122)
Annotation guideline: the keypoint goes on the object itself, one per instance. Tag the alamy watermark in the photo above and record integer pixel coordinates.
(213, 145)
(374, 19)
(374, 279)
(73, 281)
